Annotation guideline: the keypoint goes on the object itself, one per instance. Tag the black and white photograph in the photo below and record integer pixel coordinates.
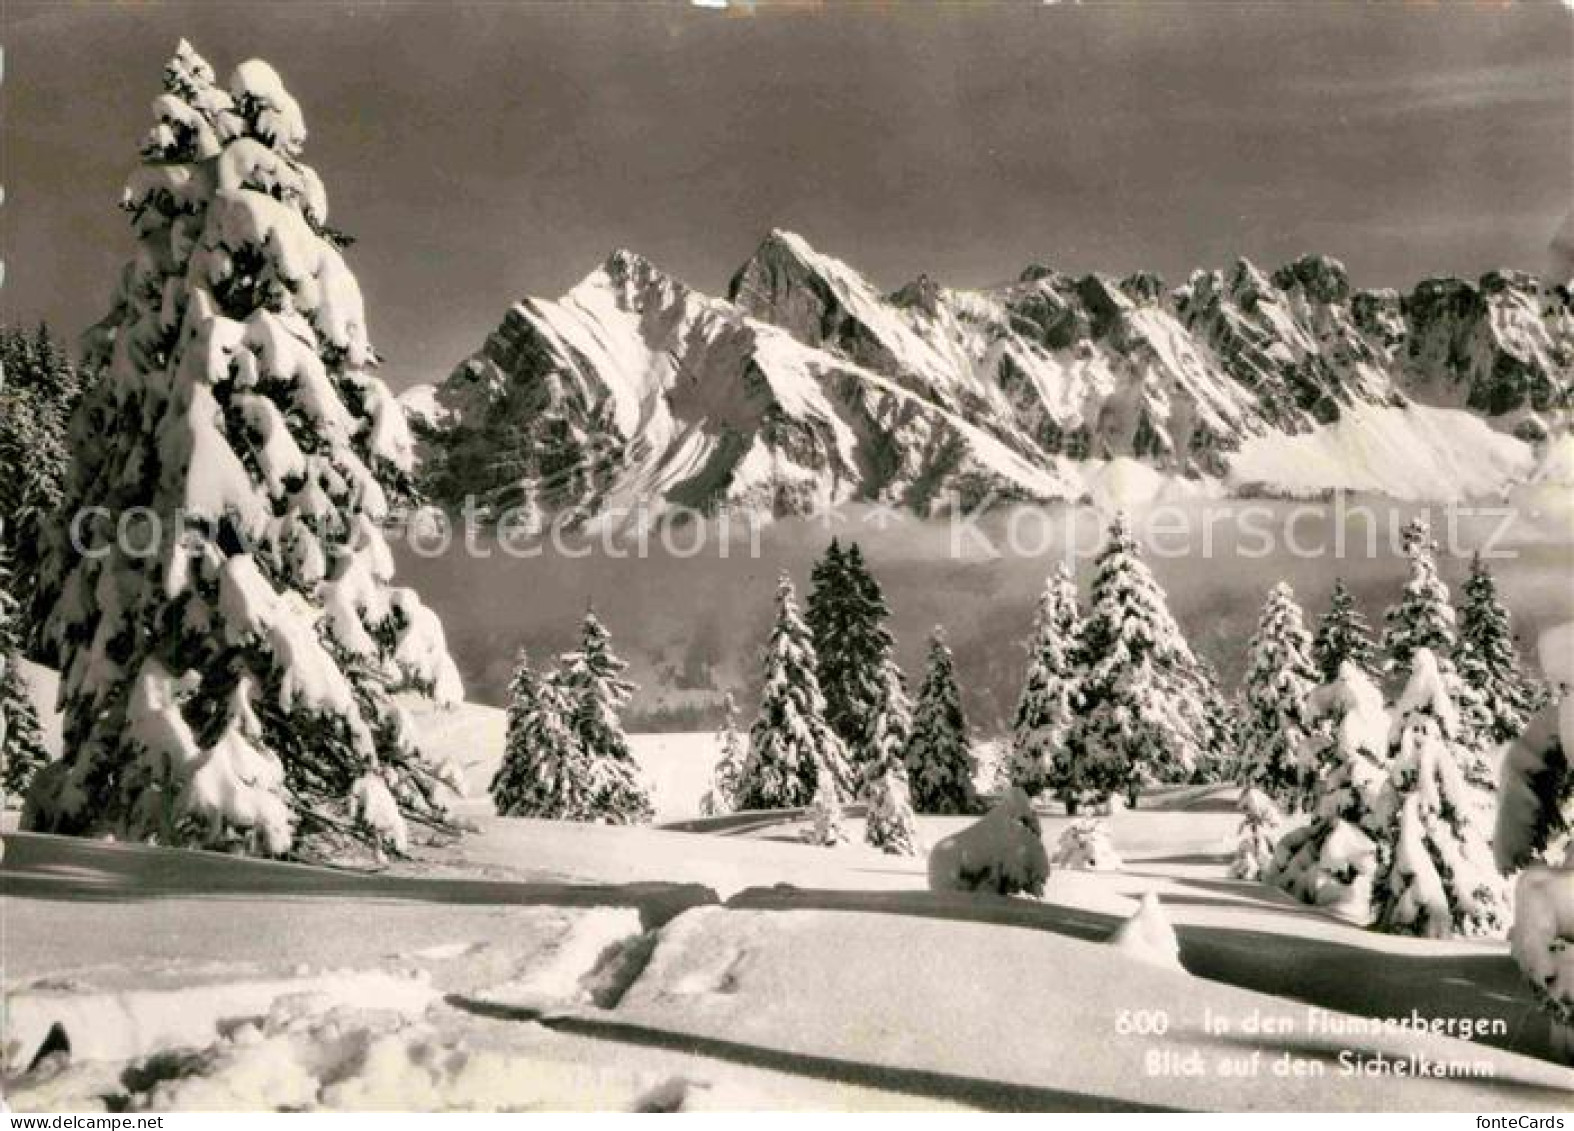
(782, 556)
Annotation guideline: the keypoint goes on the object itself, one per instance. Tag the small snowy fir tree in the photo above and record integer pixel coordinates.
(591, 679)
(1279, 677)
(233, 687)
(1144, 699)
(1148, 936)
(823, 817)
(889, 824)
(1343, 636)
(1256, 835)
(940, 762)
(1423, 617)
(1331, 860)
(22, 752)
(1487, 659)
(1038, 759)
(545, 772)
(1087, 845)
(790, 743)
(722, 796)
(1435, 872)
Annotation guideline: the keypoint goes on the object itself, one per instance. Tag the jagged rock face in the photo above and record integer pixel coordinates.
(808, 386)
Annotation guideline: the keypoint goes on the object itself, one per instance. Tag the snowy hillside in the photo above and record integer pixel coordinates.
(808, 386)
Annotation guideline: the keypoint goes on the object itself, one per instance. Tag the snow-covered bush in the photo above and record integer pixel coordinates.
(1039, 758)
(233, 686)
(1257, 834)
(1435, 875)
(790, 743)
(545, 771)
(1542, 940)
(939, 757)
(1330, 861)
(1086, 844)
(1148, 936)
(1001, 852)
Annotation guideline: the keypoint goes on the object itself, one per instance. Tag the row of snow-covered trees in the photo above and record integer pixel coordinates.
(836, 723)
(1384, 810)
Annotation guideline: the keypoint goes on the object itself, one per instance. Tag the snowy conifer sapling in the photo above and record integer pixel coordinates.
(233, 688)
(790, 744)
(722, 796)
(940, 762)
(889, 824)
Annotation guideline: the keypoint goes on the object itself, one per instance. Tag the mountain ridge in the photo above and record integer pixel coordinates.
(807, 385)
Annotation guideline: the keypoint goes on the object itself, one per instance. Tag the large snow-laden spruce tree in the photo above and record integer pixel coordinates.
(545, 771)
(1145, 700)
(889, 824)
(22, 752)
(1038, 758)
(721, 796)
(1279, 677)
(1343, 636)
(790, 744)
(1331, 860)
(1435, 870)
(846, 615)
(940, 762)
(1487, 659)
(592, 683)
(228, 682)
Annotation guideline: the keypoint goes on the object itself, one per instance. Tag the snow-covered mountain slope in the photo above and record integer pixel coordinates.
(808, 386)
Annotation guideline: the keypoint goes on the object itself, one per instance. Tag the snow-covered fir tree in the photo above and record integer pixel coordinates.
(846, 615)
(790, 743)
(1330, 861)
(1343, 636)
(591, 680)
(722, 795)
(545, 771)
(1487, 659)
(1435, 871)
(1423, 616)
(1279, 677)
(1144, 698)
(229, 682)
(1256, 835)
(889, 824)
(939, 757)
(22, 752)
(1038, 758)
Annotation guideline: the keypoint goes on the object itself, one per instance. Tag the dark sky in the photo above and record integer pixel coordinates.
(484, 152)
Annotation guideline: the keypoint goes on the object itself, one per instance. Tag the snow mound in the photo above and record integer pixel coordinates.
(1542, 939)
(1327, 864)
(1087, 845)
(567, 969)
(1148, 937)
(1002, 852)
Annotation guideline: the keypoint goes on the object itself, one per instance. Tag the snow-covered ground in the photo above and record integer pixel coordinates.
(727, 967)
